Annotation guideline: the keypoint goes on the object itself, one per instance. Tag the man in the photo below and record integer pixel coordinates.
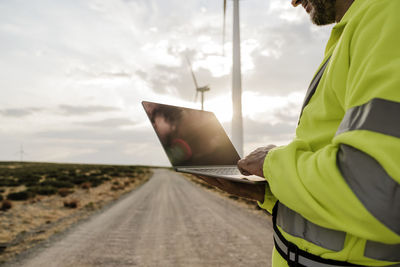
(335, 189)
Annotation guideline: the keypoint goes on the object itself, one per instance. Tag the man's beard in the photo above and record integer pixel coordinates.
(323, 11)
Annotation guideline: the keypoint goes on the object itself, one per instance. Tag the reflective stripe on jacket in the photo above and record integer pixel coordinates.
(339, 179)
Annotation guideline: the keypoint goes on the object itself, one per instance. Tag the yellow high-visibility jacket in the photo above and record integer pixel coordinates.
(338, 181)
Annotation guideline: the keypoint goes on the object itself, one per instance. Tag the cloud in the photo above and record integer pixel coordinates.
(109, 123)
(257, 131)
(97, 135)
(286, 59)
(18, 112)
(84, 110)
(143, 75)
(287, 114)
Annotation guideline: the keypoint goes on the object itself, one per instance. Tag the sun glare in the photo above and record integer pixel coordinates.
(222, 107)
(255, 106)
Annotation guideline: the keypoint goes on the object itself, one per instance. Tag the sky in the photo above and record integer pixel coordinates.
(74, 73)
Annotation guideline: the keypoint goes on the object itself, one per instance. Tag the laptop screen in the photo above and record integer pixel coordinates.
(191, 137)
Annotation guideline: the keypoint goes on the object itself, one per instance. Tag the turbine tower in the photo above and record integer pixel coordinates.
(202, 89)
(21, 153)
(237, 121)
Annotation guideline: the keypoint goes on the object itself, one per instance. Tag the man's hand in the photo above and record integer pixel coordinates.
(253, 163)
(251, 191)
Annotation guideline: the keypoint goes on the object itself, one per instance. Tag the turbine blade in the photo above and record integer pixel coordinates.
(223, 30)
(191, 71)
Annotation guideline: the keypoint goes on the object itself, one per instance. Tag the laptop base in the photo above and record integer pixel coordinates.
(240, 178)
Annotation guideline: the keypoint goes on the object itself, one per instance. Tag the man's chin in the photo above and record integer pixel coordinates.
(322, 12)
(320, 21)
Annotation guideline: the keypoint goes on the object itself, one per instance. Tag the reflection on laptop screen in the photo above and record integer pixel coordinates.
(191, 137)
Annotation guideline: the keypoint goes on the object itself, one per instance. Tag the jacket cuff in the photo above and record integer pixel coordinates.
(269, 198)
(267, 164)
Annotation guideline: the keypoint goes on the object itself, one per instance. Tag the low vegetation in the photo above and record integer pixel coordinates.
(72, 204)
(5, 205)
(63, 192)
(24, 181)
(17, 196)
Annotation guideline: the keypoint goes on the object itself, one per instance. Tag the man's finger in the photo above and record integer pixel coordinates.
(244, 172)
(242, 166)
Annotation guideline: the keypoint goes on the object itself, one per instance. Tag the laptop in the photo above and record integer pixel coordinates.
(196, 143)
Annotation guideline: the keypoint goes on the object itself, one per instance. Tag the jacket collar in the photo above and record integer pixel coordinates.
(339, 27)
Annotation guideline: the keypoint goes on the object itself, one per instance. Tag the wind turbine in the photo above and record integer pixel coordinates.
(237, 121)
(21, 153)
(202, 89)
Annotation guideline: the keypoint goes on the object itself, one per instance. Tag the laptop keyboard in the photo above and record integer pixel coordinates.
(220, 171)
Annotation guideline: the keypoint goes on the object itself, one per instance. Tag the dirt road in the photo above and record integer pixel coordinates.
(166, 222)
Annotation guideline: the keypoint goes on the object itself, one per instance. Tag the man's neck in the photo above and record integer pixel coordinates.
(341, 8)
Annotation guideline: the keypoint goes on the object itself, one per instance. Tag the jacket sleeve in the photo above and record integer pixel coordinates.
(353, 183)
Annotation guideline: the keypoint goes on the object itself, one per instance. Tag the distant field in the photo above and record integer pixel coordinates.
(39, 199)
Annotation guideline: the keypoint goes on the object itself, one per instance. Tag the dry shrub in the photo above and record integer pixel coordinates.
(3, 246)
(57, 183)
(43, 190)
(19, 196)
(115, 188)
(86, 185)
(72, 204)
(6, 205)
(90, 206)
(63, 192)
